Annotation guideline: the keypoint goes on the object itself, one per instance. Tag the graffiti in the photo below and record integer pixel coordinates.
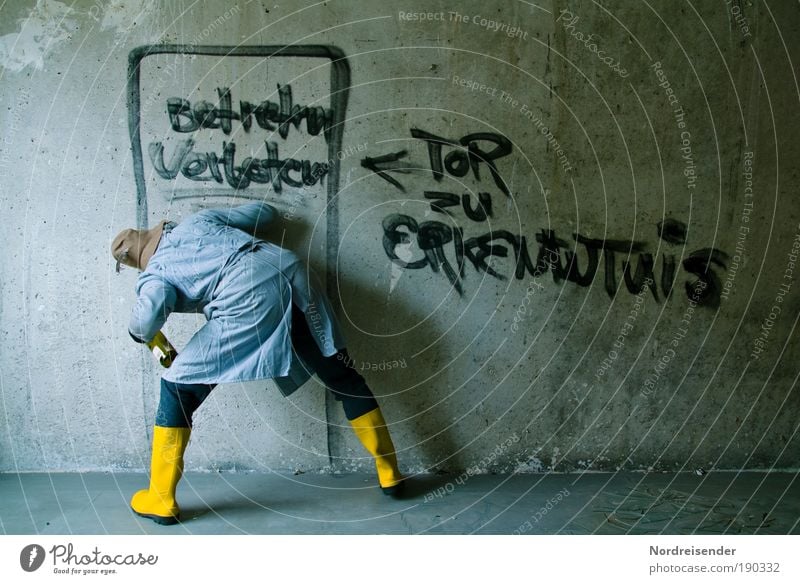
(458, 162)
(442, 200)
(464, 155)
(382, 165)
(270, 116)
(267, 114)
(208, 166)
(672, 231)
(218, 164)
(275, 116)
(444, 248)
(553, 254)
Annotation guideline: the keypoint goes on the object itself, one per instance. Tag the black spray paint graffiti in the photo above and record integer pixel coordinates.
(268, 116)
(465, 155)
(329, 120)
(280, 116)
(552, 254)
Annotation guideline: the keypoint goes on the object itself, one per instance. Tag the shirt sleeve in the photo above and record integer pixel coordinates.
(156, 300)
(250, 218)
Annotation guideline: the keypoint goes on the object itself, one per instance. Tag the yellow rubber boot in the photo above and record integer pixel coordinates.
(166, 468)
(374, 435)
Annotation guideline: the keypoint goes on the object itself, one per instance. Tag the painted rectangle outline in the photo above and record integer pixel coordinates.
(340, 88)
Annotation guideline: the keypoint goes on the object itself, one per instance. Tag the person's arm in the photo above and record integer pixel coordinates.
(250, 218)
(156, 301)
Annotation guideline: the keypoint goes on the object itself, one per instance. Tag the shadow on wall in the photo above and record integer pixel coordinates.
(402, 371)
(418, 436)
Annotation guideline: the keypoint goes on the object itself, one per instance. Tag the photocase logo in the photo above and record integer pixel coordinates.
(31, 557)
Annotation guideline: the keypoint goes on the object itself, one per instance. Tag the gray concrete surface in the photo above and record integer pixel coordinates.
(681, 138)
(237, 503)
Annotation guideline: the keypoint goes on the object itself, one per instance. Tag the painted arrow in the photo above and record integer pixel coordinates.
(383, 165)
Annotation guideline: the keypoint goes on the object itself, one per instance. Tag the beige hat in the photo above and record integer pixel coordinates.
(135, 247)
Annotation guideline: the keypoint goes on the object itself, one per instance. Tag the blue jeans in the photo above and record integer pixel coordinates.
(178, 401)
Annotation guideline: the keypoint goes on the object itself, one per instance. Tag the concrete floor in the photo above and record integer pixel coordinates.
(613, 503)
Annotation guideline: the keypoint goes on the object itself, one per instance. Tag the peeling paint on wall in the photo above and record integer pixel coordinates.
(40, 33)
(121, 15)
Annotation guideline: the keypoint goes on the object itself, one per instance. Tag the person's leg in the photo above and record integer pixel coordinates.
(178, 402)
(344, 382)
(358, 402)
(176, 406)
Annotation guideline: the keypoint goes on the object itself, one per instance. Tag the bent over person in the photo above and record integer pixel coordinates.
(267, 318)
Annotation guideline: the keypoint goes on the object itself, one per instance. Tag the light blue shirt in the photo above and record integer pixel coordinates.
(211, 262)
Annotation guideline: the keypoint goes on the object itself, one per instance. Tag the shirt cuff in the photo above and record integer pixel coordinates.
(135, 338)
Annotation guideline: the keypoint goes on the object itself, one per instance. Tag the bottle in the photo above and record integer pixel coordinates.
(162, 349)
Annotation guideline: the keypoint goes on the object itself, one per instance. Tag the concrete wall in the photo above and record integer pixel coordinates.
(560, 235)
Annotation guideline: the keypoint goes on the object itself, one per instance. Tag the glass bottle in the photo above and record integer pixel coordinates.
(162, 349)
